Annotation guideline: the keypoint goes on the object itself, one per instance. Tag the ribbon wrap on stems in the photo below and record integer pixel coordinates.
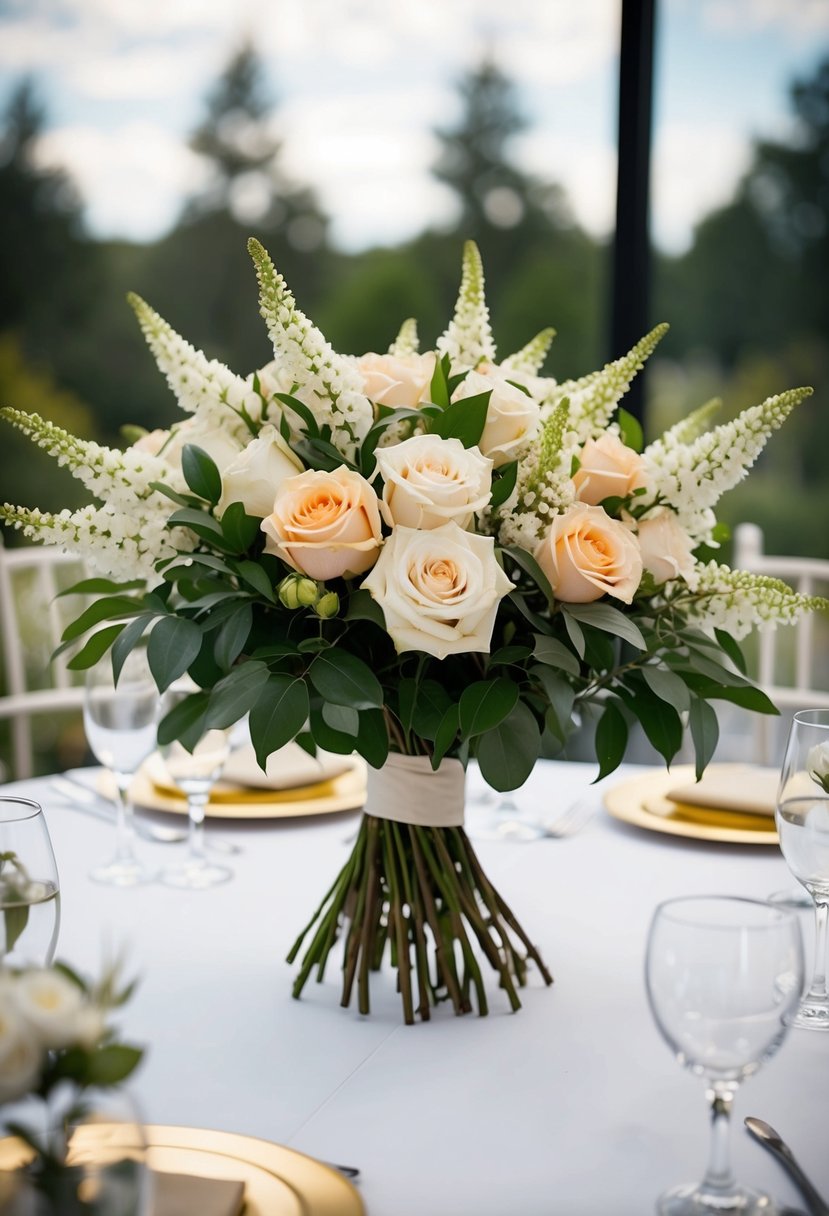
(413, 881)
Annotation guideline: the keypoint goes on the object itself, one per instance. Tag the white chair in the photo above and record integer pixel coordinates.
(792, 680)
(31, 623)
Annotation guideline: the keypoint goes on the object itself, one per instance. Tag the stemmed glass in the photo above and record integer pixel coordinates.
(195, 773)
(802, 817)
(120, 722)
(723, 974)
(29, 887)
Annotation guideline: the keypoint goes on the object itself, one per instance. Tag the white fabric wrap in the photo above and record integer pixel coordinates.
(407, 790)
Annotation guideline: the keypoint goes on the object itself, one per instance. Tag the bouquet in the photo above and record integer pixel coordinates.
(423, 558)
(56, 1050)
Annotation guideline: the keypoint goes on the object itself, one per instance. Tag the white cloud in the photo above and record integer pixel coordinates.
(796, 19)
(134, 178)
(695, 169)
(146, 74)
(586, 168)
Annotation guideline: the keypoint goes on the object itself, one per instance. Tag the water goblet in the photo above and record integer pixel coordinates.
(722, 976)
(802, 817)
(195, 773)
(29, 887)
(120, 721)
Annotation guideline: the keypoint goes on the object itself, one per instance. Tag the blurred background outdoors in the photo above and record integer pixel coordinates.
(142, 141)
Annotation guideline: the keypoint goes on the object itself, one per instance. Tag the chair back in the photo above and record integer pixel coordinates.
(792, 680)
(32, 620)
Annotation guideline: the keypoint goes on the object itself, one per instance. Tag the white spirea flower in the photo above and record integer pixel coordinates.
(530, 359)
(738, 601)
(428, 481)
(468, 339)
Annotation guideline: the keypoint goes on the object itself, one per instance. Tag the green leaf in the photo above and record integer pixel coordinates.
(343, 718)
(325, 736)
(705, 732)
(126, 642)
(744, 695)
(15, 918)
(530, 566)
(505, 655)
(660, 721)
(255, 576)
(183, 500)
(504, 484)
(575, 633)
(485, 704)
(302, 411)
(185, 721)
(561, 697)
(373, 738)
(112, 1064)
(200, 473)
(341, 677)
(555, 654)
(369, 444)
(280, 713)
(101, 610)
(609, 620)
(406, 702)
(96, 646)
(464, 419)
(235, 694)
(445, 735)
(439, 387)
(174, 643)
(631, 430)
(506, 755)
(611, 739)
(667, 685)
(101, 586)
(200, 522)
(362, 606)
(232, 635)
(732, 648)
(431, 703)
(239, 530)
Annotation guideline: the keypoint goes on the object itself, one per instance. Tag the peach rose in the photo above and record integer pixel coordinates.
(586, 555)
(398, 381)
(439, 589)
(325, 525)
(428, 480)
(608, 468)
(666, 548)
(511, 417)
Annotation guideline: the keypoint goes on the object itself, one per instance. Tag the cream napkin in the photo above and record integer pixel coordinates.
(731, 787)
(289, 768)
(184, 1195)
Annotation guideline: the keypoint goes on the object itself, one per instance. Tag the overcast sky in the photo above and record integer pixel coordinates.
(361, 84)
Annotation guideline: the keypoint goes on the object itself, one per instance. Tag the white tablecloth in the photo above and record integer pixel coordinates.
(574, 1105)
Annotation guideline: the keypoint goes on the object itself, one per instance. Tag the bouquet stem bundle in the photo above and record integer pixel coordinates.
(423, 891)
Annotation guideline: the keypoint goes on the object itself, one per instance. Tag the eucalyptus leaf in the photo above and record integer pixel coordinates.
(280, 713)
(235, 694)
(611, 739)
(555, 654)
(506, 755)
(484, 704)
(373, 737)
(174, 643)
(705, 732)
(342, 678)
(232, 636)
(609, 620)
(95, 647)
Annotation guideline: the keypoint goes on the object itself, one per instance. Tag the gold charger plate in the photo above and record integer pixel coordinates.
(278, 1181)
(346, 792)
(641, 801)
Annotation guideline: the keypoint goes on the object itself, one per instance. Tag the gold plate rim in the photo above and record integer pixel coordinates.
(626, 802)
(348, 794)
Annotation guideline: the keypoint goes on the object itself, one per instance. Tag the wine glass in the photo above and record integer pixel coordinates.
(195, 773)
(29, 887)
(120, 722)
(723, 974)
(802, 817)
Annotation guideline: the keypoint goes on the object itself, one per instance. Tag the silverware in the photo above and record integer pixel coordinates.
(347, 1171)
(771, 1140)
(86, 800)
(571, 820)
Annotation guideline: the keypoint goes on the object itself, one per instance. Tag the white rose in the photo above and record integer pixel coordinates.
(511, 418)
(220, 447)
(397, 381)
(256, 474)
(666, 548)
(428, 481)
(817, 763)
(51, 1005)
(439, 589)
(21, 1055)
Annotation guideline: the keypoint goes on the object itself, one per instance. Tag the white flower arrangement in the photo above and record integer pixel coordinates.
(436, 554)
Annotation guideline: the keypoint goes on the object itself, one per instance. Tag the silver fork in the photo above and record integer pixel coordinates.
(571, 820)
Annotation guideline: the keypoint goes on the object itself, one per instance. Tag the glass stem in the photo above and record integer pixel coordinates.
(196, 804)
(123, 818)
(817, 989)
(719, 1178)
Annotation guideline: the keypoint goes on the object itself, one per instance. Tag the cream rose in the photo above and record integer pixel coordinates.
(398, 381)
(428, 481)
(511, 418)
(256, 474)
(220, 447)
(666, 548)
(586, 554)
(325, 524)
(439, 589)
(608, 467)
(51, 1005)
(21, 1055)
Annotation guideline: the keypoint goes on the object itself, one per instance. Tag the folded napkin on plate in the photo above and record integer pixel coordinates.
(184, 1195)
(292, 775)
(731, 787)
